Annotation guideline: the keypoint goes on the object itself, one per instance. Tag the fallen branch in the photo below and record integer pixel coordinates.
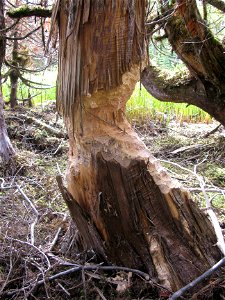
(44, 126)
(52, 245)
(184, 289)
(32, 226)
(76, 269)
(33, 246)
(212, 131)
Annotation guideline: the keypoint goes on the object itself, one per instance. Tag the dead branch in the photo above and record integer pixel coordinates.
(78, 268)
(34, 247)
(22, 37)
(44, 126)
(27, 199)
(219, 4)
(9, 27)
(184, 289)
(212, 131)
(32, 226)
(57, 235)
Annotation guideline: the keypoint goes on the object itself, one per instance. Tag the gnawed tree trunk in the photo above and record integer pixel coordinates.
(6, 149)
(203, 55)
(125, 205)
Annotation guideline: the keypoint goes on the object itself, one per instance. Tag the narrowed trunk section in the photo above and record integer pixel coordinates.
(140, 217)
(125, 205)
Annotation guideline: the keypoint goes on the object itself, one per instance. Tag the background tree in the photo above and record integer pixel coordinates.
(6, 149)
(125, 205)
(26, 45)
(203, 54)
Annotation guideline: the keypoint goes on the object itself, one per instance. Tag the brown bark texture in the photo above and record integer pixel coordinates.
(6, 149)
(203, 55)
(123, 202)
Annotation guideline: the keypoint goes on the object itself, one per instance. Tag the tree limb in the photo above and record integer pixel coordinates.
(184, 289)
(26, 11)
(174, 89)
(22, 37)
(219, 4)
(188, 90)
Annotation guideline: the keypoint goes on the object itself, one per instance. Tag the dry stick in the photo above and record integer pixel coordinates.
(100, 293)
(212, 215)
(79, 268)
(197, 280)
(33, 246)
(62, 287)
(212, 131)
(57, 235)
(34, 210)
(209, 190)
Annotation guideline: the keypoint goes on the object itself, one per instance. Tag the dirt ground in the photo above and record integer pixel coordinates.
(40, 252)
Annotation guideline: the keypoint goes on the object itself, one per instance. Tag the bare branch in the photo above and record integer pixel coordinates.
(10, 27)
(23, 37)
(197, 280)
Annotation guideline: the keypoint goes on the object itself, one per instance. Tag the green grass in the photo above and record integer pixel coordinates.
(142, 106)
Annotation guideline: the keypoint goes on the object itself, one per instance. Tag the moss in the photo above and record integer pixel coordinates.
(26, 11)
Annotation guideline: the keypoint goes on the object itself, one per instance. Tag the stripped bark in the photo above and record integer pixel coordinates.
(124, 203)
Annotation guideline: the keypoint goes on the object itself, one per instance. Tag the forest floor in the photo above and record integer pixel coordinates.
(40, 255)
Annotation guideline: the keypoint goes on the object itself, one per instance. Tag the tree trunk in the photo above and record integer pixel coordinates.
(13, 88)
(124, 203)
(14, 74)
(6, 149)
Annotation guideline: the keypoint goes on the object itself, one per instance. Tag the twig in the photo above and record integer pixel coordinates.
(33, 246)
(6, 281)
(180, 292)
(212, 131)
(62, 287)
(209, 190)
(100, 293)
(32, 226)
(76, 269)
(27, 199)
(84, 283)
(57, 235)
